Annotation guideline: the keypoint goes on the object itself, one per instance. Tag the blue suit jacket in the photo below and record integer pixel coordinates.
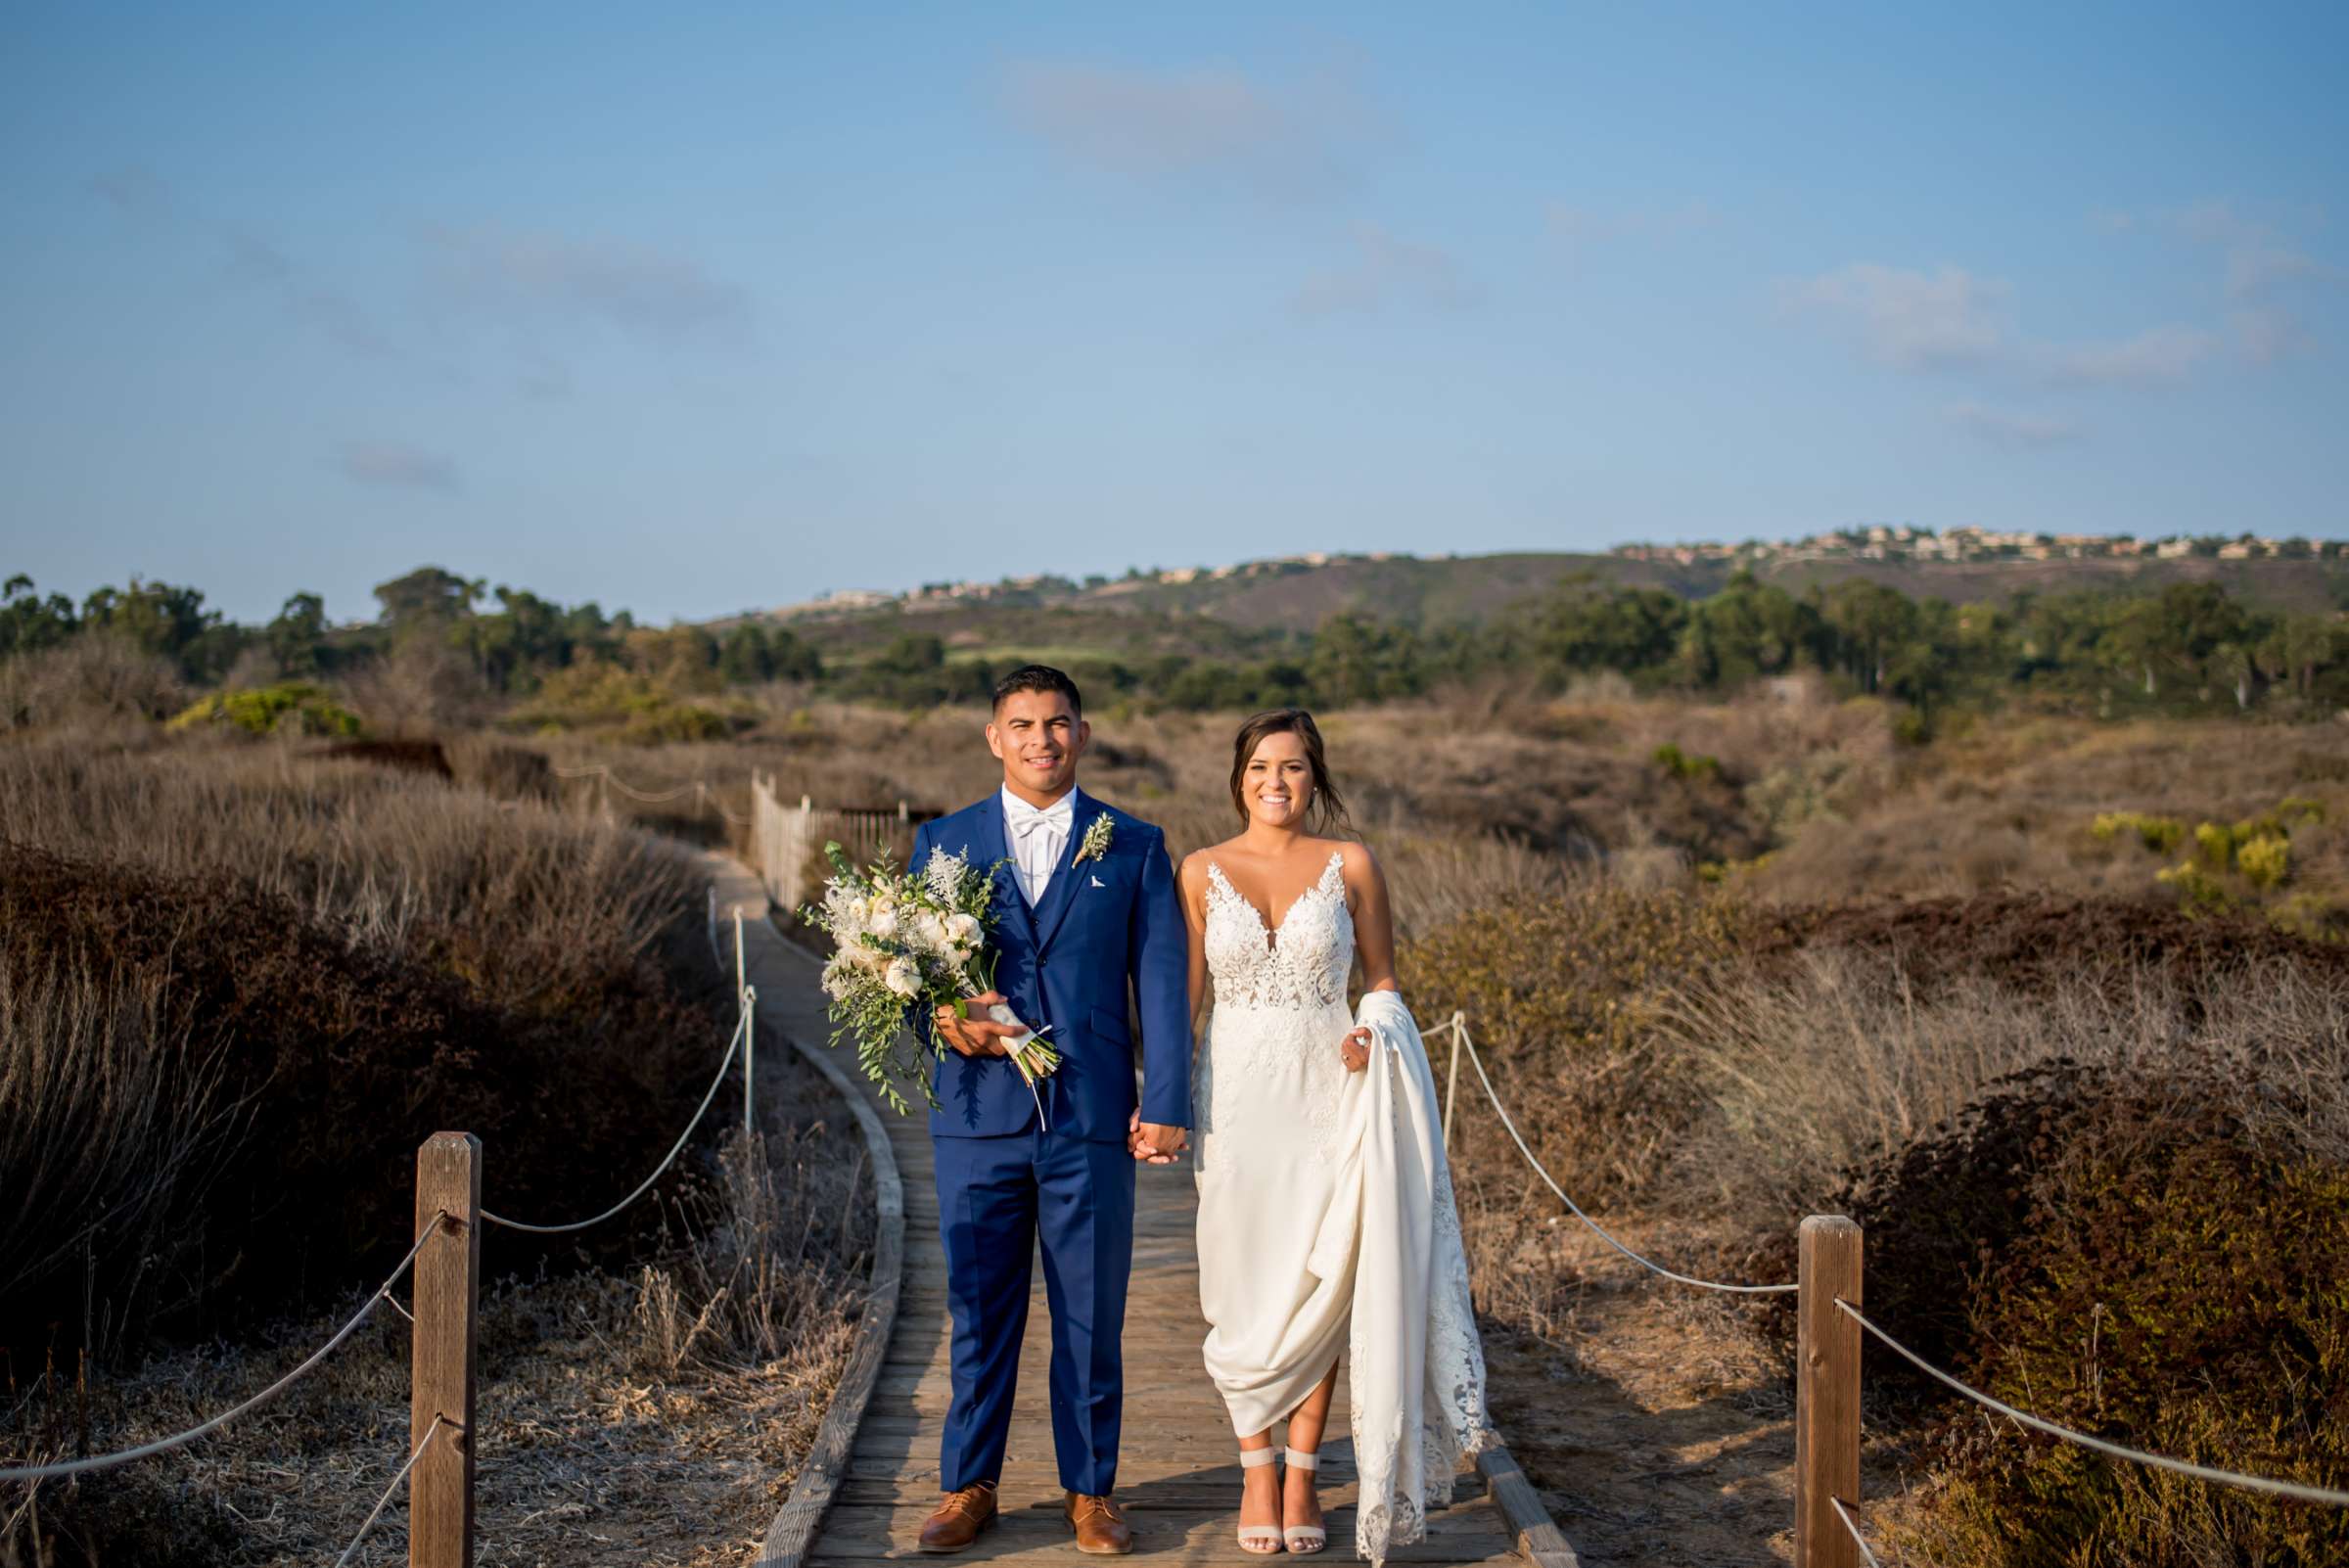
(1067, 963)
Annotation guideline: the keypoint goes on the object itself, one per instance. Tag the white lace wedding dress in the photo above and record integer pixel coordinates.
(1326, 1221)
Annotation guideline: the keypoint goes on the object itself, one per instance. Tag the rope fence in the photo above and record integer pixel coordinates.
(1827, 1364)
(2254, 1482)
(646, 1185)
(438, 1470)
(376, 1512)
(107, 1462)
(1460, 1036)
(1857, 1539)
(705, 794)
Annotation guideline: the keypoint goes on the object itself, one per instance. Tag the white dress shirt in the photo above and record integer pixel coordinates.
(1035, 839)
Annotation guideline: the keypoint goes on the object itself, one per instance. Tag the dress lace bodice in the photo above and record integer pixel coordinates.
(1300, 963)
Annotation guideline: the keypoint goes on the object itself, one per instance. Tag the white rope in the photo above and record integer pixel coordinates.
(1459, 1023)
(1857, 1539)
(614, 780)
(2256, 1483)
(647, 1184)
(368, 1523)
(702, 787)
(44, 1472)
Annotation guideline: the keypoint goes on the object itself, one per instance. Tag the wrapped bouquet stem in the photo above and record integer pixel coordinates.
(1024, 1047)
(907, 942)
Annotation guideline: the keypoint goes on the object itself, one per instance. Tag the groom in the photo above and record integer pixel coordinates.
(1085, 906)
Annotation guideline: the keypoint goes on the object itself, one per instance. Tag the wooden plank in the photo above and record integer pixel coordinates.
(1536, 1533)
(446, 1278)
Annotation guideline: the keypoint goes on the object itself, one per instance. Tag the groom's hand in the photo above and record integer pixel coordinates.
(974, 1037)
(1154, 1144)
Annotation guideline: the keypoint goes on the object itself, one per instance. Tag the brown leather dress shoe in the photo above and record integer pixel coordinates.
(959, 1518)
(1100, 1528)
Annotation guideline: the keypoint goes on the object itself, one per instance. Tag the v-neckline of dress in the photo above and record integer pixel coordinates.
(1271, 930)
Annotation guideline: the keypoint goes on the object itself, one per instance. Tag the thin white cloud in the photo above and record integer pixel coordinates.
(2257, 267)
(1288, 137)
(2157, 355)
(143, 195)
(648, 292)
(1385, 270)
(2010, 427)
(1908, 319)
(390, 465)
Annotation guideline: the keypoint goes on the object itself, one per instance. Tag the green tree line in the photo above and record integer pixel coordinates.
(2190, 645)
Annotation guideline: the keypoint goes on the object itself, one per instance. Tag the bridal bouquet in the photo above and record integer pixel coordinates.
(903, 939)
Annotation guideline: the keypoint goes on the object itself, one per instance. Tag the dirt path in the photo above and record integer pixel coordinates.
(1658, 1428)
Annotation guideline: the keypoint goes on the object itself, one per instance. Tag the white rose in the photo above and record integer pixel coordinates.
(902, 976)
(963, 929)
(837, 977)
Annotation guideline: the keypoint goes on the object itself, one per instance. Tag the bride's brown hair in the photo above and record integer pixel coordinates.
(1328, 808)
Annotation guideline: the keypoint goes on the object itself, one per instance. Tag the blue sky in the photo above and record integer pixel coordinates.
(694, 309)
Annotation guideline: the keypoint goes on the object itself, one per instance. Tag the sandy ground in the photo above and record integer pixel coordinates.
(1658, 1426)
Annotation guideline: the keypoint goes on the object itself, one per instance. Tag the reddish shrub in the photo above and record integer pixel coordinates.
(345, 1058)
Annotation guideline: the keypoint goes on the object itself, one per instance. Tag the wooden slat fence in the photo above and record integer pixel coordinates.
(787, 841)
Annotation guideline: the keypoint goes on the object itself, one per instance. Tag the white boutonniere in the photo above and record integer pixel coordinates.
(1095, 843)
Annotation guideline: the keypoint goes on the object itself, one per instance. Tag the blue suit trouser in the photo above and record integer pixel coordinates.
(996, 1198)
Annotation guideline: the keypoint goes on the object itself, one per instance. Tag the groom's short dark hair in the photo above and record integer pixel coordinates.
(1039, 677)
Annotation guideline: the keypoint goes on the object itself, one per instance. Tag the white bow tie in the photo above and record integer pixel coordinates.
(1027, 822)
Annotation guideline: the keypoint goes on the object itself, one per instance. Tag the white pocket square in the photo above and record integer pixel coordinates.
(1098, 883)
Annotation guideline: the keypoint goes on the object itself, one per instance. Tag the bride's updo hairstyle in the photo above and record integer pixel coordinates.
(1328, 811)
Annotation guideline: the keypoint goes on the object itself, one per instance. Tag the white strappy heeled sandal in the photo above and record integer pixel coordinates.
(1261, 1540)
(1304, 1540)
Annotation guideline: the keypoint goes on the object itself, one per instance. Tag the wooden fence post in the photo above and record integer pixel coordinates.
(1826, 1393)
(447, 1289)
(749, 1053)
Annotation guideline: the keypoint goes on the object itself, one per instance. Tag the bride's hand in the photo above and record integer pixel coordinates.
(1356, 1049)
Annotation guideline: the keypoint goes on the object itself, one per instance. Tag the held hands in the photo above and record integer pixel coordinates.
(1154, 1144)
(1356, 1049)
(975, 1035)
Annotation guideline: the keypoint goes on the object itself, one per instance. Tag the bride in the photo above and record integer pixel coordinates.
(1326, 1223)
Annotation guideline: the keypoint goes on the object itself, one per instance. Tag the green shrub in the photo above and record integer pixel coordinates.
(2126, 1253)
(2160, 834)
(2190, 1299)
(674, 721)
(2232, 862)
(2263, 861)
(644, 710)
(1685, 764)
(295, 706)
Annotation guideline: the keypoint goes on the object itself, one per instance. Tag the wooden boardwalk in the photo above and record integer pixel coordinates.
(1178, 1475)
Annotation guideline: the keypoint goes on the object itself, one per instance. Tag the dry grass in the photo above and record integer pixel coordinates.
(533, 900)
(96, 687)
(117, 1116)
(405, 943)
(658, 1415)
